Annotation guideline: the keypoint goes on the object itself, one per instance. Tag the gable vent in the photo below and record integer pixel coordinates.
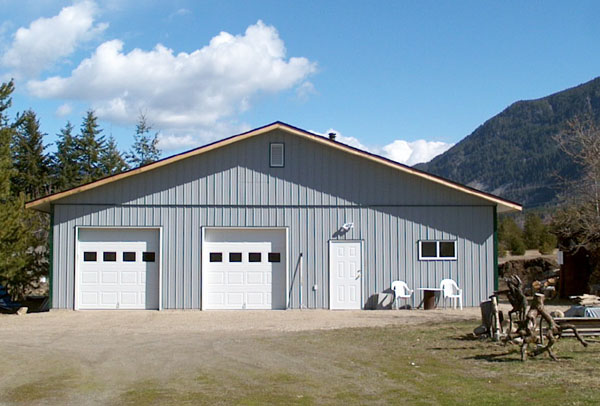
(277, 155)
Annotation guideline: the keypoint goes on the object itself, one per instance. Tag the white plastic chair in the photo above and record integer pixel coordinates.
(401, 291)
(450, 290)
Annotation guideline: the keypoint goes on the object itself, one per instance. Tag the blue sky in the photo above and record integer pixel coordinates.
(402, 79)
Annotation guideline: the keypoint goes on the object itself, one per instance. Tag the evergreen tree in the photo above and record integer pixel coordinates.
(31, 164)
(510, 237)
(66, 167)
(22, 251)
(111, 160)
(537, 235)
(6, 135)
(145, 147)
(89, 146)
(533, 231)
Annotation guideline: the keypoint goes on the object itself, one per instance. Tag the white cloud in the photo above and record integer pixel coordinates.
(185, 91)
(179, 12)
(183, 139)
(406, 152)
(305, 90)
(353, 142)
(176, 142)
(414, 152)
(48, 40)
(64, 110)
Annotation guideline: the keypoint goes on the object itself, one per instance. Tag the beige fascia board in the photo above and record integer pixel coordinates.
(44, 204)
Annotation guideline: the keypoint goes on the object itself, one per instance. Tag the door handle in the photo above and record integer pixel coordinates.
(358, 274)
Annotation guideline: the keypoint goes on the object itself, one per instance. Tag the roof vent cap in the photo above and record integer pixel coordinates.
(332, 136)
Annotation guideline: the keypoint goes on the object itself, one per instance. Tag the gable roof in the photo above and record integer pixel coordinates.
(44, 203)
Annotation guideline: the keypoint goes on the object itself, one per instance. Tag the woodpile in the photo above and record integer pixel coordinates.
(548, 287)
(586, 300)
(539, 275)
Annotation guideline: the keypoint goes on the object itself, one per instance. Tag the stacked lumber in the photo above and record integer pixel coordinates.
(586, 326)
(586, 300)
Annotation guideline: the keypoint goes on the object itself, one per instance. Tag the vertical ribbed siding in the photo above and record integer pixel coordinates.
(317, 191)
(390, 236)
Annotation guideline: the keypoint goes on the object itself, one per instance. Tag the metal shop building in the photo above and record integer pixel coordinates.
(269, 219)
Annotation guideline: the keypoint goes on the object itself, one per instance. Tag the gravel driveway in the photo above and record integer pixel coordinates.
(89, 357)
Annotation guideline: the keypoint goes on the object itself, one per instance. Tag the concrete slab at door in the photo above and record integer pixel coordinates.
(345, 275)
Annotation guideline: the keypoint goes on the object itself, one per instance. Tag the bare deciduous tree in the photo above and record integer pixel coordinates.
(578, 220)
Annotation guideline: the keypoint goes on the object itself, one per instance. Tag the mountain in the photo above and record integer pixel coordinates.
(514, 154)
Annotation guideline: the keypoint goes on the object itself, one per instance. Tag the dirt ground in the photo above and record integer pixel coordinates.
(102, 353)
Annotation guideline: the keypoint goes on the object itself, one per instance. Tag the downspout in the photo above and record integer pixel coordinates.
(51, 257)
(300, 285)
(495, 248)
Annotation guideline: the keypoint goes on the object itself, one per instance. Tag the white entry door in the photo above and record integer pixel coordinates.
(117, 268)
(244, 269)
(345, 281)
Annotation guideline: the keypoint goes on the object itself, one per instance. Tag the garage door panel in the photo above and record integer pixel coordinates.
(235, 278)
(247, 284)
(89, 298)
(106, 280)
(129, 277)
(256, 278)
(217, 298)
(110, 277)
(235, 299)
(109, 298)
(129, 298)
(89, 277)
(255, 299)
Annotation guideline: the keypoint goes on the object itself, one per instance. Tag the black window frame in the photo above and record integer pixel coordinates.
(129, 260)
(146, 255)
(250, 258)
(214, 255)
(271, 256)
(438, 250)
(235, 253)
(87, 254)
(113, 254)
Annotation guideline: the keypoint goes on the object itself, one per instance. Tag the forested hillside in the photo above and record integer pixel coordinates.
(514, 154)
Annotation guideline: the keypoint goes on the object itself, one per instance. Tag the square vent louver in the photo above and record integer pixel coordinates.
(277, 155)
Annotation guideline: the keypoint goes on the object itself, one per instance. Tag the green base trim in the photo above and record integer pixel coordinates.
(495, 248)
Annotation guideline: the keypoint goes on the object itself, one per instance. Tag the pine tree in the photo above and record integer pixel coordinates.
(145, 147)
(6, 135)
(89, 145)
(31, 164)
(111, 160)
(66, 167)
(22, 251)
(510, 237)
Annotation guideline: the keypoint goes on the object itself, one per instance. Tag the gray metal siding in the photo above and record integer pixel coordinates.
(390, 236)
(317, 191)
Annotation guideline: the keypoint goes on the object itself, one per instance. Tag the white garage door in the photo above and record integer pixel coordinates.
(117, 269)
(244, 269)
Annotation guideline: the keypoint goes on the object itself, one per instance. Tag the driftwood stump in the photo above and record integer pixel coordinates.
(527, 330)
(517, 299)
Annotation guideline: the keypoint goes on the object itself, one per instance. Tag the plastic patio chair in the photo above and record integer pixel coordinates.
(401, 291)
(450, 290)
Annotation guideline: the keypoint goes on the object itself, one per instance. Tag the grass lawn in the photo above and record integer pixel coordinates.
(413, 364)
